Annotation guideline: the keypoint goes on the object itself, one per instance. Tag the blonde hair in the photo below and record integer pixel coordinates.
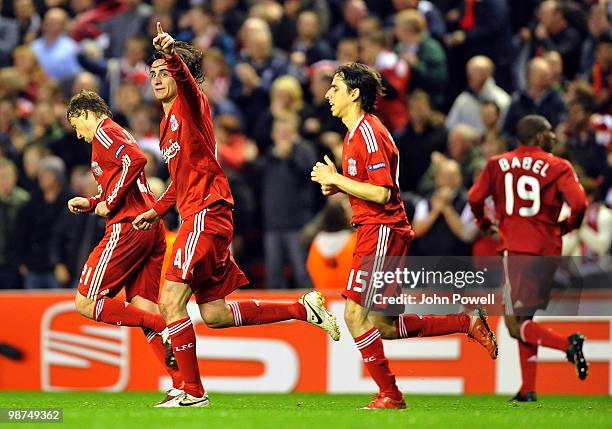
(412, 19)
(291, 85)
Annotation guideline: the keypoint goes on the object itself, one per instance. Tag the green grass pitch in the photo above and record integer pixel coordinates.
(315, 411)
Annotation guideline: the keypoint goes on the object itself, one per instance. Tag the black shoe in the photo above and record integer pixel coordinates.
(525, 397)
(575, 355)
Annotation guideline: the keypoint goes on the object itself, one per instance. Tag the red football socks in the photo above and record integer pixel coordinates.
(255, 312)
(411, 325)
(115, 312)
(184, 347)
(371, 347)
(528, 354)
(536, 334)
(155, 341)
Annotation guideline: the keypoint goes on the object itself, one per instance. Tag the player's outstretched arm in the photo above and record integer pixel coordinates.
(574, 195)
(327, 175)
(476, 198)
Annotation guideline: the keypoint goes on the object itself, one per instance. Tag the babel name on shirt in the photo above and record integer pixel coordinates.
(538, 167)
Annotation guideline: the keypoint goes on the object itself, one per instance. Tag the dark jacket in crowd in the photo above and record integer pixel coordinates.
(287, 191)
(40, 224)
(551, 106)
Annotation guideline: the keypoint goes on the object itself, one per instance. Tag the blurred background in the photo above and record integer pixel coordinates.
(458, 76)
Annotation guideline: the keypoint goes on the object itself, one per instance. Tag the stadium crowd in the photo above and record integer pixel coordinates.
(458, 76)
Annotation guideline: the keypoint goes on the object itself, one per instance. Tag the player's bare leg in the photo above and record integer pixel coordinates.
(163, 351)
(310, 308)
(116, 312)
(530, 335)
(369, 342)
(173, 306)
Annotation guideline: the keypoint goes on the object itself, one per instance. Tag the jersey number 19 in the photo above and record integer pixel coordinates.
(528, 189)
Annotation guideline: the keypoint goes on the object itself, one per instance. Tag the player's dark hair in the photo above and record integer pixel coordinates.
(191, 56)
(364, 78)
(529, 127)
(87, 101)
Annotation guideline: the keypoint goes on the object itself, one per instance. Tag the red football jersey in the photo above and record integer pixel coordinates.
(529, 186)
(117, 164)
(189, 148)
(369, 155)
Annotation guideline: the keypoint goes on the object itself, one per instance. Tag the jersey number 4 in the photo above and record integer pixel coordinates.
(527, 189)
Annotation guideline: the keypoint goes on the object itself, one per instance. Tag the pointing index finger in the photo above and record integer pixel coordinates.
(159, 28)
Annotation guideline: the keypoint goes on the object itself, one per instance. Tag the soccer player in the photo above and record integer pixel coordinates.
(125, 256)
(201, 260)
(529, 186)
(370, 165)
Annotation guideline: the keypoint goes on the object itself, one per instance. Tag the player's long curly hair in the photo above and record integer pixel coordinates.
(87, 101)
(191, 56)
(366, 79)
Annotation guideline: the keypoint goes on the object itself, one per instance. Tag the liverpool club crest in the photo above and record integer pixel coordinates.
(352, 167)
(173, 123)
(96, 169)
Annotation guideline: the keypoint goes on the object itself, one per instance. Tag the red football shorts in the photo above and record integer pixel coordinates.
(379, 248)
(528, 282)
(126, 258)
(201, 255)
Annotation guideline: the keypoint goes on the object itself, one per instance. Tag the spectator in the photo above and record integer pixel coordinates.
(76, 236)
(41, 218)
(12, 202)
(285, 97)
(538, 99)
(331, 252)
(599, 22)
(391, 108)
(490, 116)
(481, 88)
(553, 33)
(28, 20)
(600, 75)
(557, 80)
(424, 134)
(258, 65)
(483, 29)
(461, 148)
(217, 85)
(433, 17)
(309, 47)
(12, 130)
(129, 23)
(234, 149)
(9, 38)
(55, 50)
(287, 201)
(581, 143)
(32, 156)
(347, 50)
(85, 81)
(353, 11)
(317, 114)
(424, 55)
(144, 131)
(204, 34)
(46, 130)
(594, 238)
(25, 62)
(443, 222)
